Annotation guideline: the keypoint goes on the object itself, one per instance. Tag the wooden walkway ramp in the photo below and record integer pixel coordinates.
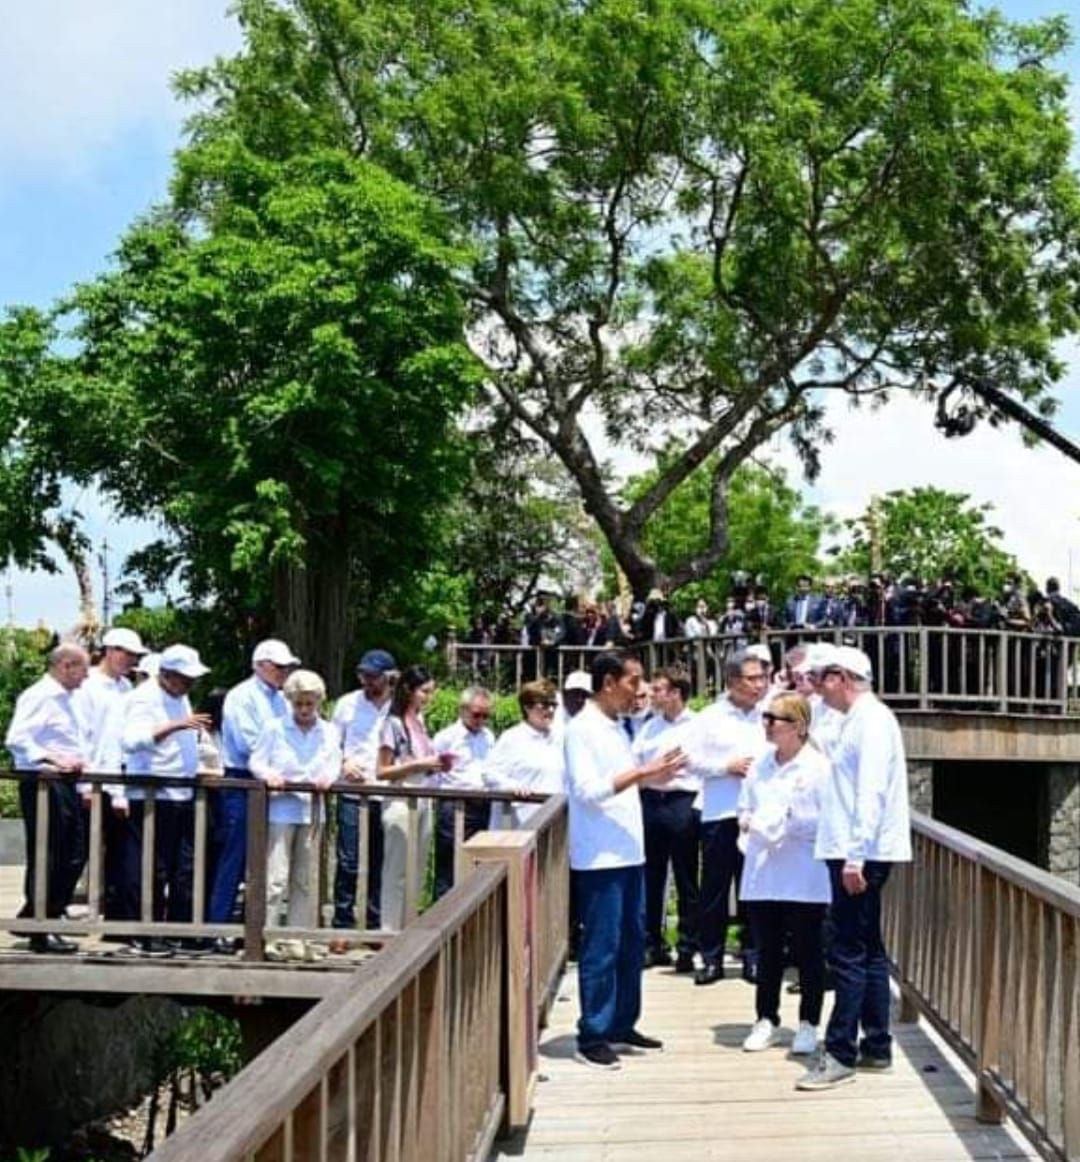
(703, 1098)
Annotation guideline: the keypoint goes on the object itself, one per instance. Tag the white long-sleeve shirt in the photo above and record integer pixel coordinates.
(249, 707)
(782, 804)
(298, 756)
(605, 828)
(470, 749)
(175, 756)
(46, 723)
(660, 735)
(525, 759)
(864, 810)
(720, 733)
(100, 701)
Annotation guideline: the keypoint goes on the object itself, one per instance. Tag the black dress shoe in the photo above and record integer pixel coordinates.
(52, 944)
(710, 974)
(684, 962)
(657, 957)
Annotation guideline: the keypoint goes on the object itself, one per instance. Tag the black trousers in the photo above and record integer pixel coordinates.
(672, 837)
(174, 860)
(721, 866)
(476, 819)
(778, 923)
(66, 852)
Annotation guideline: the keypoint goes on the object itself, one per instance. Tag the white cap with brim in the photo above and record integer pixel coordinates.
(819, 656)
(578, 680)
(855, 662)
(148, 664)
(274, 651)
(761, 652)
(183, 660)
(120, 638)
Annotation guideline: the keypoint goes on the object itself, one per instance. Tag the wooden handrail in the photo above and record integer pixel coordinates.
(401, 1024)
(988, 946)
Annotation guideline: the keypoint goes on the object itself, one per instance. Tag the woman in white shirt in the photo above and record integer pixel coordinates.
(300, 747)
(786, 890)
(528, 756)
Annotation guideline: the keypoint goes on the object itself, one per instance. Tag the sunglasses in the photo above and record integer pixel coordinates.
(543, 706)
(481, 714)
(770, 717)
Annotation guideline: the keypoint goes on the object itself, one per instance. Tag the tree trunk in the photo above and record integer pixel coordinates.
(311, 611)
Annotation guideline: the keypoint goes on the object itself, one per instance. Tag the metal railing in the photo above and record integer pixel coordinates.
(988, 946)
(256, 931)
(915, 667)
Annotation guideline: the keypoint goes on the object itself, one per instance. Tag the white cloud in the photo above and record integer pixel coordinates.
(1035, 491)
(75, 76)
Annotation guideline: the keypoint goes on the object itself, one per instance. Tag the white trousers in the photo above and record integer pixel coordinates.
(398, 861)
(291, 873)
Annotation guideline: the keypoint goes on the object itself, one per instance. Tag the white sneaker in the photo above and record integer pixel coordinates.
(761, 1036)
(806, 1040)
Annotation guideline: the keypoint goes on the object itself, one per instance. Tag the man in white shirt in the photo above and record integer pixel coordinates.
(250, 706)
(100, 701)
(359, 717)
(721, 744)
(160, 739)
(607, 857)
(864, 828)
(672, 826)
(463, 747)
(46, 733)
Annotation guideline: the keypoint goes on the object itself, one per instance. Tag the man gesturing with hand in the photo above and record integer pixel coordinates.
(607, 861)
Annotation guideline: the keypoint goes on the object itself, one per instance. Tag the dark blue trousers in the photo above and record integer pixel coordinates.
(860, 969)
(672, 836)
(66, 852)
(347, 861)
(721, 866)
(174, 861)
(228, 848)
(611, 954)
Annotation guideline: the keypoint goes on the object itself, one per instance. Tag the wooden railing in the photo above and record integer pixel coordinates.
(916, 667)
(988, 946)
(549, 824)
(414, 1055)
(403, 1061)
(255, 931)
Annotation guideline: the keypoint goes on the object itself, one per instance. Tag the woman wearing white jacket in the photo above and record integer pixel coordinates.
(786, 890)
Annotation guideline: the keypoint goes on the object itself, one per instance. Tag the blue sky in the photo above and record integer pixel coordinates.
(87, 128)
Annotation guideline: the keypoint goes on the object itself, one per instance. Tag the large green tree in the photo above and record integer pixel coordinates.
(772, 532)
(274, 368)
(928, 533)
(701, 220)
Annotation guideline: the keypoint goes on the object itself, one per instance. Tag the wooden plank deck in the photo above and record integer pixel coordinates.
(702, 1098)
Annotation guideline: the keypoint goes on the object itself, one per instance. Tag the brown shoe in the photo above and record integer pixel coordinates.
(339, 946)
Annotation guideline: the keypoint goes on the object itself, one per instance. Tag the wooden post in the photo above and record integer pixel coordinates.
(255, 873)
(517, 850)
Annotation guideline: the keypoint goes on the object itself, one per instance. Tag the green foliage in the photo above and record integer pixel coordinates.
(207, 1042)
(763, 202)
(442, 710)
(928, 533)
(770, 531)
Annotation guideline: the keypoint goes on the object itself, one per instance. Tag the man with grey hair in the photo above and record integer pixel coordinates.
(864, 829)
(721, 744)
(46, 733)
(463, 746)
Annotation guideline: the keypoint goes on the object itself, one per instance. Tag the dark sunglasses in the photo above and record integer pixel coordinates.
(543, 705)
(768, 716)
(479, 713)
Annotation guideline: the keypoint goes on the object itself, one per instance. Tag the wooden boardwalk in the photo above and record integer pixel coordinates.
(703, 1098)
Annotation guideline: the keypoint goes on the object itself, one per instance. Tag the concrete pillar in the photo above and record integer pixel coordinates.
(921, 786)
(1063, 820)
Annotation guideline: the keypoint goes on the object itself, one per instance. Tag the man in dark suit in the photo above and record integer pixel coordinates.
(658, 623)
(1065, 611)
(803, 609)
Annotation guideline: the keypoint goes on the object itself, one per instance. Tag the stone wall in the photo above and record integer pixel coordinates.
(1063, 821)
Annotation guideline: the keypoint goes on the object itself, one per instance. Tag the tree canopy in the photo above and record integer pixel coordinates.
(700, 220)
(928, 533)
(275, 368)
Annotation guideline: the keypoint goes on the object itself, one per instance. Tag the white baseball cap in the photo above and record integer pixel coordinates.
(761, 652)
(819, 656)
(148, 664)
(854, 662)
(578, 680)
(183, 660)
(274, 651)
(124, 639)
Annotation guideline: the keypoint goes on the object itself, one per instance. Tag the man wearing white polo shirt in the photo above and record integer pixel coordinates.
(864, 828)
(607, 858)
